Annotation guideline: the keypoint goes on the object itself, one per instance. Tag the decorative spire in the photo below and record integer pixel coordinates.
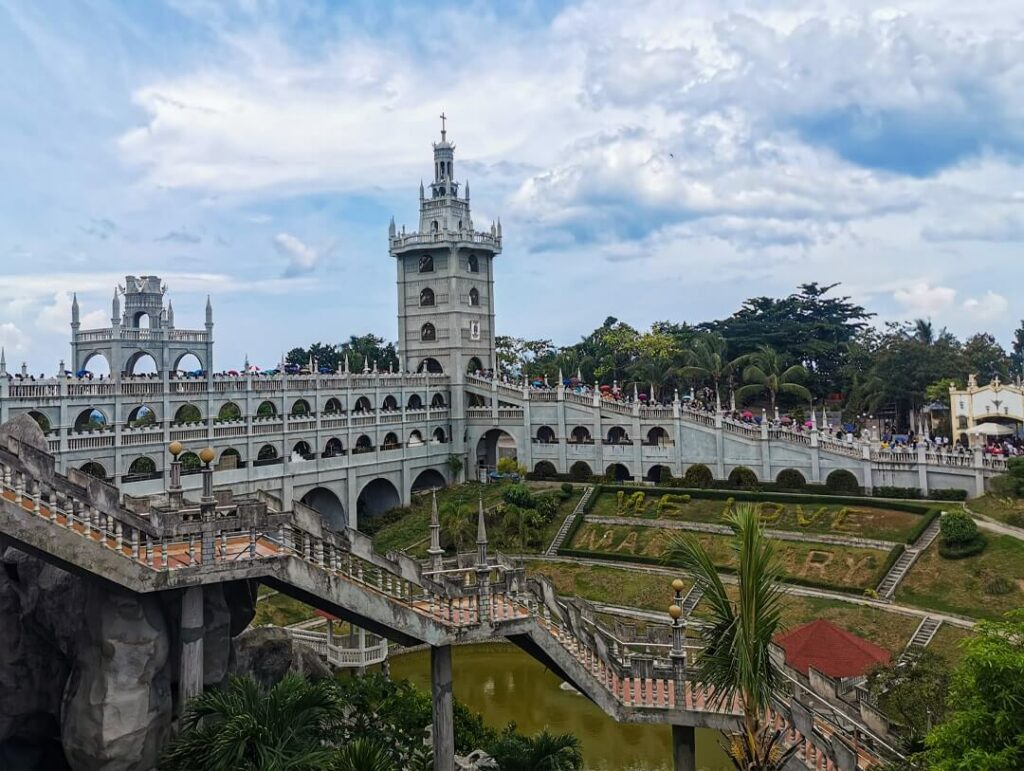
(345, 365)
(170, 314)
(391, 228)
(422, 194)
(467, 189)
(499, 227)
(374, 366)
(435, 551)
(561, 378)
(636, 396)
(366, 366)
(209, 312)
(60, 367)
(444, 132)
(74, 310)
(481, 535)
(3, 361)
(115, 309)
(245, 366)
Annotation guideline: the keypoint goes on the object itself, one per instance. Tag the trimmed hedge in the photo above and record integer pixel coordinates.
(698, 475)
(842, 481)
(790, 479)
(952, 494)
(957, 527)
(743, 478)
(959, 551)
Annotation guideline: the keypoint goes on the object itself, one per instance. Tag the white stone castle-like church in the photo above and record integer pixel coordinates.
(350, 443)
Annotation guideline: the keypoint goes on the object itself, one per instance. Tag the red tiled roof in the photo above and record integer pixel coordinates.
(829, 649)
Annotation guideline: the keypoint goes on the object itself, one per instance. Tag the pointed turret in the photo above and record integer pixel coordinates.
(391, 228)
(481, 535)
(170, 314)
(3, 362)
(345, 365)
(209, 312)
(115, 309)
(435, 551)
(422, 194)
(499, 227)
(467, 191)
(74, 312)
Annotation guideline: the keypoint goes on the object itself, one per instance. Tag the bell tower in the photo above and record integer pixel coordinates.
(445, 278)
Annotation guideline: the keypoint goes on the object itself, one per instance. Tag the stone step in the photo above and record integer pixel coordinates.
(691, 599)
(922, 636)
(556, 542)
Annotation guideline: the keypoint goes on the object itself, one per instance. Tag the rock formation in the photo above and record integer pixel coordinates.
(94, 669)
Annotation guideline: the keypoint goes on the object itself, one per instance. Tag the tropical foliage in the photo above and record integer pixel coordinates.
(736, 660)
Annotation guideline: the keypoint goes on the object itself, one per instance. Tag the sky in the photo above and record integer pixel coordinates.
(649, 159)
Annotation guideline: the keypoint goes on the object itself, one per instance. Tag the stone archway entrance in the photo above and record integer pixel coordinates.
(428, 479)
(328, 505)
(377, 497)
(493, 446)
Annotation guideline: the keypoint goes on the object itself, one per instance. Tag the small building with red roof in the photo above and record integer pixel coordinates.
(830, 650)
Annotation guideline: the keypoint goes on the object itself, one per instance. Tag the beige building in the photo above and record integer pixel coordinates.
(1001, 404)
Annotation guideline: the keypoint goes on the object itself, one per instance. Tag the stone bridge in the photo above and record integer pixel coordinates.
(171, 545)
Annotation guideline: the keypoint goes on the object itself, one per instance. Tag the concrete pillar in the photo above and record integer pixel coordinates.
(444, 729)
(191, 671)
(684, 748)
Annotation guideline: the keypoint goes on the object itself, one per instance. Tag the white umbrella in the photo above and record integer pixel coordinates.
(990, 429)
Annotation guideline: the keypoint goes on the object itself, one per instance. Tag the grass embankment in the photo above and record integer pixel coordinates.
(280, 610)
(652, 591)
(863, 521)
(844, 568)
(1009, 511)
(410, 530)
(946, 643)
(983, 586)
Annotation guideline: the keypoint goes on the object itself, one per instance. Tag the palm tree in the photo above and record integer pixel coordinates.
(708, 359)
(248, 726)
(543, 752)
(363, 754)
(516, 524)
(924, 331)
(767, 372)
(459, 524)
(735, 661)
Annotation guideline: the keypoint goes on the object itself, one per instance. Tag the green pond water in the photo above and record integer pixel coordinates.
(504, 684)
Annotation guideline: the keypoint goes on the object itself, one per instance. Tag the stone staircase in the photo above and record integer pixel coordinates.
(887, 586)
(556, 542)
(691, 599)
(85, 527)
(923, 635)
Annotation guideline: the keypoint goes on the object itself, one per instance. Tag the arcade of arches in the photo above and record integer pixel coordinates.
(328, 505)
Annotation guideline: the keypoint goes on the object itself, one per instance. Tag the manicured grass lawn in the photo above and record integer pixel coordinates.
(640, 589)
(281, 610)
(843, 567)
(1008, 510)
(614, 586)
(411, 532)
(865, 521)
(959, 586)
(946, 643)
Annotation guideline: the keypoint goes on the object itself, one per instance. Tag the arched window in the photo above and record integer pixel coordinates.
(391, 442)
(439, 435)
(426, 297)
(618, 435)
(545, 435)
(433, 225)
(333, 406)
(390, 403)
(363, 404)
(414, 403)
(334, 448)
(580, 435)
(427, 263)
(474, 264)
(961, 422)
(438, 402)
(428, 333)
(474, 296)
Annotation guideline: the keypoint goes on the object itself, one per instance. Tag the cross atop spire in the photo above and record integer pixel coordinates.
(443, 131)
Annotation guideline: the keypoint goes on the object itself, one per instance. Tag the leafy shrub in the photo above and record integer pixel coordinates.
(872, 593)
(519, 495)
(665, 475)
(1015, 519)
(698, 475)
(545, 506)
(957, 527)
(790, 479)
(511, 466)
(567, 490)
(842, 481)
(743, 478)
(998, 585)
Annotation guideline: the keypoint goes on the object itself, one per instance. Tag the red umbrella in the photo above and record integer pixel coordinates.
(748, 414)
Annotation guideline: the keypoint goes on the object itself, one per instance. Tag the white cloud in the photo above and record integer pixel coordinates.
(12, 339)
(924, 300)
(990, 307)
(56, 317)
(302, 258)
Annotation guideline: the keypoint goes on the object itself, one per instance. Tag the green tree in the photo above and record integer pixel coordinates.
(460, 524)
(655, 362)
(363, 754)
(985, 728)
(985, 357)
(912, 694)
(707, 360)
(736, 660)
(244, 726)
(543, 752)
(766, 372)
(1017, 351)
